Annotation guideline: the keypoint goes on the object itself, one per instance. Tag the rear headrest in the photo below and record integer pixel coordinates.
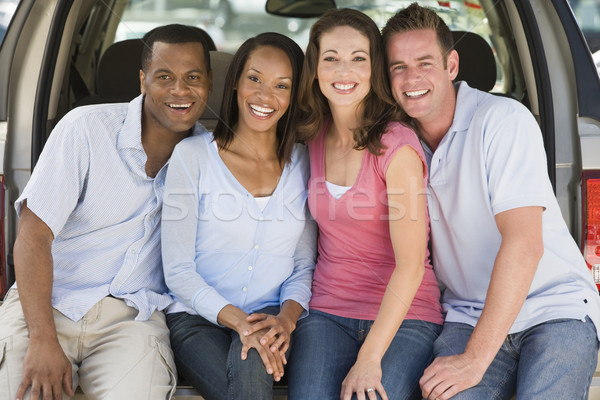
(219, 62)
(119, 77)
(477, 65)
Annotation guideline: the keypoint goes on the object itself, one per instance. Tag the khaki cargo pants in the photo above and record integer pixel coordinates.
(113, 356)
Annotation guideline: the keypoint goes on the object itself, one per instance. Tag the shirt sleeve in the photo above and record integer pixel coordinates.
(298, 285)
(179, 234)
(397, 136)
(515, 159)
(59, 177)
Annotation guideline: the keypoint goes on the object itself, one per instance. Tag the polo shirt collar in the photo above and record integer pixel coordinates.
(466, 104)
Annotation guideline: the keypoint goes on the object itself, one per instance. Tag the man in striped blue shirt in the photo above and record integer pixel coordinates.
(90, 292)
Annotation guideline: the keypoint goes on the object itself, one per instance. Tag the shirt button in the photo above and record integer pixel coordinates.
(256, 246)
(274, 194)
(244, 289)
(250, 268)
(260, 218)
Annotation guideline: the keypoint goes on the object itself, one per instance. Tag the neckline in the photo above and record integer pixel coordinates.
(215, 152)
(323, 163)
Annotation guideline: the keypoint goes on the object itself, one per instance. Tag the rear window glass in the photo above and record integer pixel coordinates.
(7, 10)
(230, 22)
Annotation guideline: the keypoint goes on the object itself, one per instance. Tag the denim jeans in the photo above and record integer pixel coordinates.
(208, 356)
(326, 346)
(552, 360)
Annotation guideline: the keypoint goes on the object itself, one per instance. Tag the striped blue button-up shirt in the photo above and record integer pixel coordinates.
(90, 187)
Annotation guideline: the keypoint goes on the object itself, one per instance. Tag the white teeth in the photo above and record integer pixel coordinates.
(416, 93)
(261, 111)
(343, 87)
(180, 106)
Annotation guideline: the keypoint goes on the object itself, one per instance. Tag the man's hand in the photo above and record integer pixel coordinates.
(46, 370)
(447, 376)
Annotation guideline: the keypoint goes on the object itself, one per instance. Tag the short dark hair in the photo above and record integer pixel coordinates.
(175, 34)
(415, 17)
(379, 106)
(228, 118)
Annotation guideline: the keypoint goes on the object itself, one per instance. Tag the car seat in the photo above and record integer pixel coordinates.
(118, 78)
(476, 65)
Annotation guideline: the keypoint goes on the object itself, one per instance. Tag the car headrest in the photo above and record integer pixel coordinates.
(219, 63)
(477, 65)
(118, 78)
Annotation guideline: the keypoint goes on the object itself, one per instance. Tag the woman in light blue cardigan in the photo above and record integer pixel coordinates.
(238, 250)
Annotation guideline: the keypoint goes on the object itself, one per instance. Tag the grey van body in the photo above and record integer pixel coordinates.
(51, 49)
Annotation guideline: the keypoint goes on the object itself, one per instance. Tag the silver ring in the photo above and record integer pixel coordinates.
(369, 390)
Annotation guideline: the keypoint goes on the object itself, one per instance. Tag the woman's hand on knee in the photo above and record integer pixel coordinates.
(278, 332)
(364, 379)
(272, 361)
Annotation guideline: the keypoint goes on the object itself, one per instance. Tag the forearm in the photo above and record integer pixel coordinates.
(34, 274)
(506, 295)
(289, 314)
(396, 301)
(233, 318)
(513, 272)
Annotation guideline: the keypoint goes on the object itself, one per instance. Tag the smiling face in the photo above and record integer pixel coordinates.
(421, 83)
(176, 85)
(344, 67)
(264, 89)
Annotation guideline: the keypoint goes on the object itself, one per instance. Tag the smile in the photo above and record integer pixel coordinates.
(261, 111)
(344, 86)
(180, 106)
(416, 93)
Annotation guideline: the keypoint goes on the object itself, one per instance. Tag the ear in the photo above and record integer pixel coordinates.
(452, 64)
(142, 82)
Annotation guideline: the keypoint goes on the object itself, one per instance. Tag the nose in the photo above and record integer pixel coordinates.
(265, 92)
(413, 75)
(179, 86)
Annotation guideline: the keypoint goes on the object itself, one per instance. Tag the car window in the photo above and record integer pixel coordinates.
(7, 10)
(587, 13)
(230, 22)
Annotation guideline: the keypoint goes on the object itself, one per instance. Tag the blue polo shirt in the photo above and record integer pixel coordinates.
(491, 160)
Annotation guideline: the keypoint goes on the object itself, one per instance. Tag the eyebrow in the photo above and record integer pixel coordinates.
(426, 57)
(258, 72)
(168, 71)
(335, 51)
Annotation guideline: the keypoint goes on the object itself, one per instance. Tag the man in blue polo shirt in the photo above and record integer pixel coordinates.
(90, 284)
(521, 308)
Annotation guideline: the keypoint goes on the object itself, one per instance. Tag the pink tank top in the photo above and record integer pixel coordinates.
(356, 258)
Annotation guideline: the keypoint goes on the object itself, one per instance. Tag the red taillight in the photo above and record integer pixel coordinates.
(591, 222)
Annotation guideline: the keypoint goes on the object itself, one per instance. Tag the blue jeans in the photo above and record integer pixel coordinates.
(552, 360)
(208, 356)
(326, 346)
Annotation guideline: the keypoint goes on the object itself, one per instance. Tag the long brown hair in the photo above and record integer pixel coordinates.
(378, 106)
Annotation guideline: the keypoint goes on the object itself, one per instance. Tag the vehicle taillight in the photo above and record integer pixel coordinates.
(3, 271)
(591, 222)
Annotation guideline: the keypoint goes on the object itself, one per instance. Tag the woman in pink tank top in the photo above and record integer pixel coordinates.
(375, 310)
